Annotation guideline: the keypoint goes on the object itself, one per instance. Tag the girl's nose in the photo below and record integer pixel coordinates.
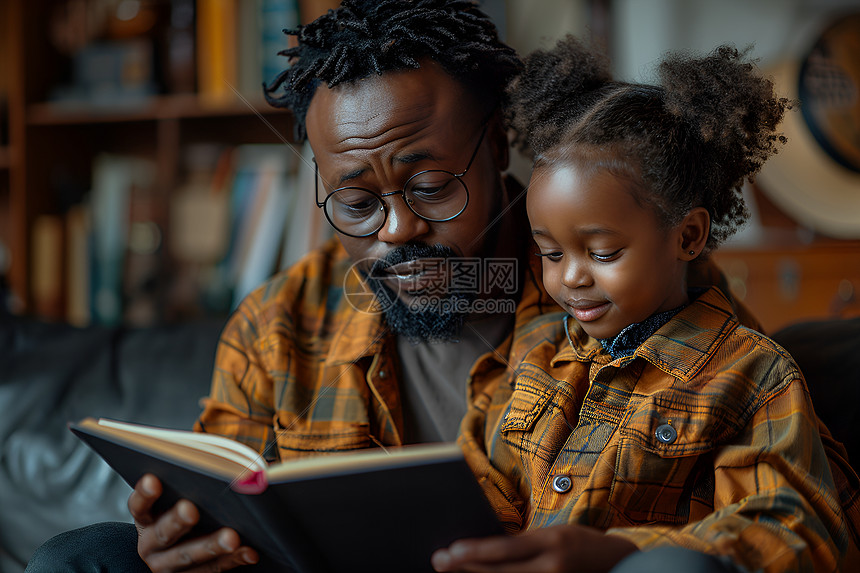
(576, 274)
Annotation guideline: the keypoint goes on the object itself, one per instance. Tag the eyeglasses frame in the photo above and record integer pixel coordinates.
(401, 192)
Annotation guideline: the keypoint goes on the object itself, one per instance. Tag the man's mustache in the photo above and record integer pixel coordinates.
(409, 252)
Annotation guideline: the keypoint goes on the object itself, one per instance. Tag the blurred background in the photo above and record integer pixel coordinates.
(143, 179)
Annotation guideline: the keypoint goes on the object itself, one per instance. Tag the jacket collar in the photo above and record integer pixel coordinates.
(680, 347)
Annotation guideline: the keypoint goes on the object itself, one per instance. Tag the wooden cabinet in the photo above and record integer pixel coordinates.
(51, 140)
(789, 274)
(787, 284)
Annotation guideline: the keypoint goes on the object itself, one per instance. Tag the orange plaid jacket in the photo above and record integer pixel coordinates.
(704, 438)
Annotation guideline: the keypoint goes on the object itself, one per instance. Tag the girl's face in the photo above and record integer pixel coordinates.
(606, 260)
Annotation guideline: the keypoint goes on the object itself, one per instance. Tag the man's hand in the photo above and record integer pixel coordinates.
(158, 536)
(557, 549)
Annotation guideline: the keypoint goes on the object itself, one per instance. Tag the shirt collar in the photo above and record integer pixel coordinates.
(628, 340)
(359, 333)
(680, 347)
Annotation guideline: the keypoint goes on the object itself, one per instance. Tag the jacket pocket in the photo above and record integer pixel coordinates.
(664, 456)
(304, 439)
(533, 390)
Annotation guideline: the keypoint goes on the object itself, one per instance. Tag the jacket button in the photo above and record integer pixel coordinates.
(561, 484)
(666, 433)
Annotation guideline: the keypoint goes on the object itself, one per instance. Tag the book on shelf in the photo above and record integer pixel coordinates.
(274, 197)
(238, 43)
(116, 178)
(228, 220)
(261, 198)
(47, 265)
(249, 57)
(306, 227)
(275, 16)
(79, 264)
(364, 510)
(216, 49)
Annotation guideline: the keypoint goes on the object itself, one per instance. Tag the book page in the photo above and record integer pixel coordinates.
(220, 446)
(359, 460)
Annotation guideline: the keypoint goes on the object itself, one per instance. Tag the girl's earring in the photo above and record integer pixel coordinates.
(692, 253)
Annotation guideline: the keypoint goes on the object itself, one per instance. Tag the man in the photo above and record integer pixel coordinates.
(402, 104)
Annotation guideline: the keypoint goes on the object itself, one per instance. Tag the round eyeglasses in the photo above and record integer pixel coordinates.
(435, 195)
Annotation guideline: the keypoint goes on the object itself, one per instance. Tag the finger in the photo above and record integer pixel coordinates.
(241, 557)
(551, 562)
(146, 492)
(470, 552)
(537, 565)
(217, 551)
(168, 528)
(495, 549)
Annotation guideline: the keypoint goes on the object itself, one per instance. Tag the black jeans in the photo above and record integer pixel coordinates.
(109, 547)
(100, 548)
(112, 548)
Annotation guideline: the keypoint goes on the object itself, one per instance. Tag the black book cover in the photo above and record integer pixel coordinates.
(346, 519)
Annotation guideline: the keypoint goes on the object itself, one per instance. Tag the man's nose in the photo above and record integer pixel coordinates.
(402, 225)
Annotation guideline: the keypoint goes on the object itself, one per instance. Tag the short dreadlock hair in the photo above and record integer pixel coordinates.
(363, 37)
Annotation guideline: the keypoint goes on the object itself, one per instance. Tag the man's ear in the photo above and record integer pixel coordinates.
(693, 234)
(498, 136)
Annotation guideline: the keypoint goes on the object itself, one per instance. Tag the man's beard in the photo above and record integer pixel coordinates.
(420, 324)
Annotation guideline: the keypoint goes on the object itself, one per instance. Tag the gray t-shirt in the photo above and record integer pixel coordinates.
(434, 375)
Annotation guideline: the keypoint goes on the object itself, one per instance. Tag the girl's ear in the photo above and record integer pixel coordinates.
(693, 234)
(498, 137)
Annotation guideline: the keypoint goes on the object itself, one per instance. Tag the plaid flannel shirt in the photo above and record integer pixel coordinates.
(745, 469)
(302, 370)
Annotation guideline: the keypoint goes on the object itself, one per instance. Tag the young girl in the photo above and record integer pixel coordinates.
(658, 420)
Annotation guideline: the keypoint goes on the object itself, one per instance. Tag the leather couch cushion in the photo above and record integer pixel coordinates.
(828, 353)
(51, 374)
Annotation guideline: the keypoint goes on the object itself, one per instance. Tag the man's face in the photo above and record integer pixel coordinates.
(378, 132)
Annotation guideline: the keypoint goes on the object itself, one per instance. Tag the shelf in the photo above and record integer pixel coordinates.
(149, 109)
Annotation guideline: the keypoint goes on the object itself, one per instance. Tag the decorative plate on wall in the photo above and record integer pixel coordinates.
(815, 178)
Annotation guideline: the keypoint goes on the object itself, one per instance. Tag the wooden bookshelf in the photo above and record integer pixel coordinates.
(47, 160)
(53, 140)
(179, 106)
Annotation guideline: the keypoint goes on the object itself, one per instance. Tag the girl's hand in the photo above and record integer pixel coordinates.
(555, 549)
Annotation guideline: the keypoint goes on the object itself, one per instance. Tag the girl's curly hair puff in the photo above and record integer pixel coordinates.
(689, 141)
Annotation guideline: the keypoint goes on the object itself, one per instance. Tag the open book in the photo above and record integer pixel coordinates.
(367, 510)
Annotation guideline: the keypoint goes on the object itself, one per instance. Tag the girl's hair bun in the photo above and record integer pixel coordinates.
(731, 107)
(552, 91)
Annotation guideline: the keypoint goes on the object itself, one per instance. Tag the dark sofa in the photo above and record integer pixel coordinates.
(51, 374)
(828, 353)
